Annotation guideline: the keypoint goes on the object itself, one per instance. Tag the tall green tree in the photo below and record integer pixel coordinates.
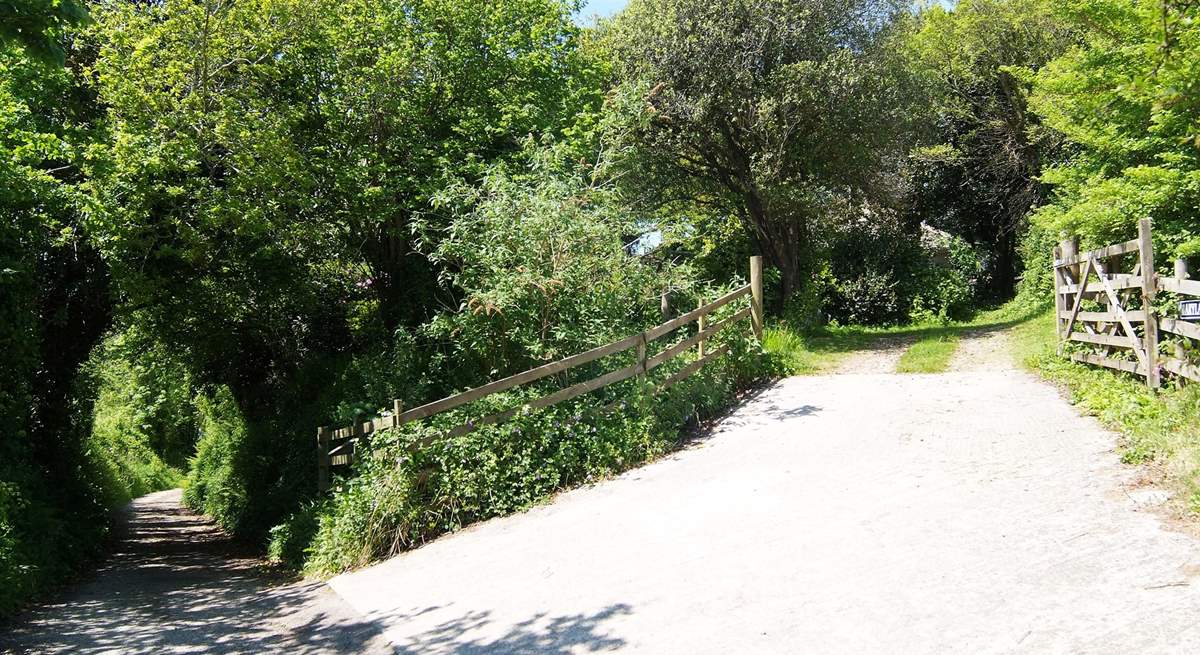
(39, 26)
(767, 110)
(266, 202)
(982, 177)
(1128, 101)
(54, 301)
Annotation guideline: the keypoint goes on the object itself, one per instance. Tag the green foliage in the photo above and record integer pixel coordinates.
(38, 25)
(299, 211)
(945, 288)
(1036, 288)
(542, 262)
(873, 257)
(882, 272)
(143, 429)
(1128, 101)
(146, 393)
(772, 112)
(977, 175)
(400, 498)
(54, 307)
(266, 198)
(220, 475)
(542, 265)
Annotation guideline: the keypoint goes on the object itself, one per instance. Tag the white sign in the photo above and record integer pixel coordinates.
(1189, 310)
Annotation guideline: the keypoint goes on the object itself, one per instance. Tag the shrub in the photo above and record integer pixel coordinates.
(870, 298)
(217, 484)
(398, 498)
(542, 266)
(1036, 288)
(872, 257)
(883, 272)
(946, 284)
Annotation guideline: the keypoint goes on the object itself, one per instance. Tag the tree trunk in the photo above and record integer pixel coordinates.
(782, 241)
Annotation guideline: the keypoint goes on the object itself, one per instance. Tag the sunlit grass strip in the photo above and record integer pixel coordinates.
(931, 354)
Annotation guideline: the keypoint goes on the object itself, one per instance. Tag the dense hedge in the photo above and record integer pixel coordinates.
(397, 499)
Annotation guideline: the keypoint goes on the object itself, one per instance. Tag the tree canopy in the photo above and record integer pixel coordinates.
(768, 110)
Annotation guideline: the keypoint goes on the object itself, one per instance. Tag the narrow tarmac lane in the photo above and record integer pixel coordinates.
(177, 584)
(970, 512)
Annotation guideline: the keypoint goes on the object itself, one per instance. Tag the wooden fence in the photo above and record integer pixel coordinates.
(336, 445)
(1124, 315)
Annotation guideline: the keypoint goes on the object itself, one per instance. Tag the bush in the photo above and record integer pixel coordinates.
(882, 272)
(1036, 288)
(872, 258)
(217, 483)
(870, 298)
(48, 532)
(398, 499)
(542, 265)
(948, 279)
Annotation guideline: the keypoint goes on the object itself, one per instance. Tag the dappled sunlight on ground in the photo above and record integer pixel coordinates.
(176, 583)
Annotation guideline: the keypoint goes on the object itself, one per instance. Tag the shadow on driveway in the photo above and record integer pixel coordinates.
(176, 583)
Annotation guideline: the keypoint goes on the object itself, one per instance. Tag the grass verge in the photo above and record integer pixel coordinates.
(929, 355)
(810, 352)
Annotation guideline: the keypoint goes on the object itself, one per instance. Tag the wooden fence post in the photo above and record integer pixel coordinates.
(701, 323)
(397, 410)
(323, 459)
(1149, 285)
(756, 296)
(642, 365)
(1181, 274)
(1059, 305)
(1066, 275)
(666, 305)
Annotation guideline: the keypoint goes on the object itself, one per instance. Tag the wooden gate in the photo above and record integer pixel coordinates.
(1106, 298)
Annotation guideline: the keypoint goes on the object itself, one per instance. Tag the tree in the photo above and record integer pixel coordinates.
(266, 202)
(38, 26)
(427, 92)
(543, 264)
(982, 177)
(764, 109)
(1128, 101)
(54, 303)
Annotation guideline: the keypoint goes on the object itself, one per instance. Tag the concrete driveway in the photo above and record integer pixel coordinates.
(969, 512)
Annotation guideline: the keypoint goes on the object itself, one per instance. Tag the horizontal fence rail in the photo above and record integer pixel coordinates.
(1113, 279)
(336, 446)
